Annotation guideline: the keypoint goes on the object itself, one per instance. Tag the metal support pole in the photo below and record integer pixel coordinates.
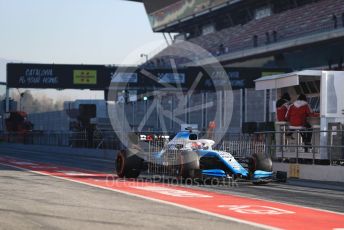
(331, 145)
(166, 40)
(7, 109)
(284, 136)
(267, 144)
(313, 148)
(297, 145)
(170, 37)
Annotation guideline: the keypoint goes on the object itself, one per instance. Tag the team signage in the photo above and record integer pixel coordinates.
(124, 77)
(34, 76)
(177, 78)
(45, 76)
(84, 77)
(101, 77)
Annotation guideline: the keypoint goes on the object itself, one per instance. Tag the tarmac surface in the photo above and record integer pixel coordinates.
(31, 201)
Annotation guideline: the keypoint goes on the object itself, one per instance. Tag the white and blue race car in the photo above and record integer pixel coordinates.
(186, 156)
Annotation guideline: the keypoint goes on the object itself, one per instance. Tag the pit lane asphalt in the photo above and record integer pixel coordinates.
(32, 201)
(328, 196)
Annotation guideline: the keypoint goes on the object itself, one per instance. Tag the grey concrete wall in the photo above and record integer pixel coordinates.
(106, 154)
(314, 172)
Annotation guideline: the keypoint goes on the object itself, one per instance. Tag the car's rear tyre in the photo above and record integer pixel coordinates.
(128, 165)
(189, 163)
(259, 162)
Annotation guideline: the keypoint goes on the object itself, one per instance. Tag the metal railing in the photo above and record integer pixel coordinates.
(323, 147)
(241, 145)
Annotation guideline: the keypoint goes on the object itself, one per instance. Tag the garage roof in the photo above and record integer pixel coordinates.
(284, 80)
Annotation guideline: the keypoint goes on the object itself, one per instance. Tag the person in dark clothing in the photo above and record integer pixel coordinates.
(335, 23)
(274, 35)
(255, 40)
(221, 49)
(267, 37)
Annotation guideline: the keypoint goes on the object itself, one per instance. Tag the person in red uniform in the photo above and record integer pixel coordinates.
(282, 106)
(297, 117)
(211, 128)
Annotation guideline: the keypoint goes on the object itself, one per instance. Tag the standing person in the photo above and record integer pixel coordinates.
(211, 129)
(282, 106)
(297, 116)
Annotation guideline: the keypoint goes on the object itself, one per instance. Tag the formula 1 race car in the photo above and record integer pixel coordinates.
(186, 156)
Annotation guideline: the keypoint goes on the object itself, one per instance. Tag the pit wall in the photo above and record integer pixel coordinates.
(312, 172)
(104, 154)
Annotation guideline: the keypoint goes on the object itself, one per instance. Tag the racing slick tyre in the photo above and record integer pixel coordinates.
(128, 165)
(259, 162)
(189, 163)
